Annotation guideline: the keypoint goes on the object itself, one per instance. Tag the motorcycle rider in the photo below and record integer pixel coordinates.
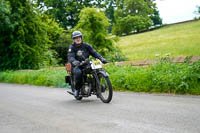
(78, 52)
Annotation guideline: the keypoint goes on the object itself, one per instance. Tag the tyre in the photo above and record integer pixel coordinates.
(78, 98)
(104, 89)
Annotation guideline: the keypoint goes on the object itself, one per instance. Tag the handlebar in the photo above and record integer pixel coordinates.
(87, 61)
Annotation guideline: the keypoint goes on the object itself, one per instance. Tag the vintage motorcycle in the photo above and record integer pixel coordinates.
(95, 81)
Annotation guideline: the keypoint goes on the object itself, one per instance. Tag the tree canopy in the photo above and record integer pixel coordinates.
(32, 37)
(66, 12)
(94, 25)
(133, 15)
(26, 35)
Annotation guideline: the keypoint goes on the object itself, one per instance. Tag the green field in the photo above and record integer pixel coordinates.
(177, 40)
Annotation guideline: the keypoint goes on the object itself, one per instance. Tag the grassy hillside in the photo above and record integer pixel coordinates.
(178, 40)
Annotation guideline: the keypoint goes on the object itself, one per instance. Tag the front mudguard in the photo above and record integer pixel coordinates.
(104, 73)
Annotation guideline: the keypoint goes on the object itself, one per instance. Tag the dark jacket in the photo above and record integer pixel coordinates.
(81, 53)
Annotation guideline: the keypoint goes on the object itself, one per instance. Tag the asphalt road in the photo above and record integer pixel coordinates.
(33, 109)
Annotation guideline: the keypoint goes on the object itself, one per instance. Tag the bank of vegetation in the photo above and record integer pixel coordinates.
(164, 77)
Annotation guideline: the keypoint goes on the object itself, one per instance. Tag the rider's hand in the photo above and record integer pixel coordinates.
(86, 61)
(104, 61)
(76, 63)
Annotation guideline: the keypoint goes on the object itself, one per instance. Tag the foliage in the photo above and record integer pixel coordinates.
(26, 36)
(66, 12)
(94, 25)
(135, 16)
(5, 17)
(155, 17)
(164, 77)
(61, 46)
(198, 9)
(197, 12)
(115, 55)
(131, 23)
(46, 77)
(110, 9)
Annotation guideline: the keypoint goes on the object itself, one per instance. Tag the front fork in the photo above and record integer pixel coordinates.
(97, 84)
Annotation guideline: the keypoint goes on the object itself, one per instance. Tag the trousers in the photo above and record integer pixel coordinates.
(77, 73)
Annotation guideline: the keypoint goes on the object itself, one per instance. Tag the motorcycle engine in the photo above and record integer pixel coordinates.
(86, 89)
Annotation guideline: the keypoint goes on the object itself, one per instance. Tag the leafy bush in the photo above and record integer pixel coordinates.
(162, 77)
(115, 55)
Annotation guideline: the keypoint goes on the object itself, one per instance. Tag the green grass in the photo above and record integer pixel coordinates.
(164, 77)
(178, 40)
(45, 77)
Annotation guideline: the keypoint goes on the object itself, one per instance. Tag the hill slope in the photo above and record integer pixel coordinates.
(178, 40)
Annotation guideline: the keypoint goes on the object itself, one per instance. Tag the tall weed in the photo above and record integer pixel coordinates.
(164, 77)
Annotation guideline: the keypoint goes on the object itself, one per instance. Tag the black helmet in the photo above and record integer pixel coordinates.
(76, 34)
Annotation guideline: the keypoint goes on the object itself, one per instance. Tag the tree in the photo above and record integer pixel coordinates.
(110, 9)
(94, 25)
(197, 12)
(25, 36)
(61, 46)
(132, 15)
(131, 23)
(155, 17)
(66, 12)
(63, 11)
(135, 15)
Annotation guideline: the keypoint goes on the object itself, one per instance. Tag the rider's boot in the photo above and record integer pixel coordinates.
(76, 92)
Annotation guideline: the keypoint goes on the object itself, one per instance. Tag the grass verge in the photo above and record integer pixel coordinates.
(54, 78)
(164, 77)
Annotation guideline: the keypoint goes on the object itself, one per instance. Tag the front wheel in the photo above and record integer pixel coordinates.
(78, 98)
(104, 89)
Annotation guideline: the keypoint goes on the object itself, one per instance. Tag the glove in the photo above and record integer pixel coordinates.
(104, 61)
(85, 62)
(76, 63)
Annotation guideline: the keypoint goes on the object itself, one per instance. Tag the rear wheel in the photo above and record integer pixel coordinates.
(104, 89)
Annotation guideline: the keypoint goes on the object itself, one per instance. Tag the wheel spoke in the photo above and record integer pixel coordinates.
(105, 89)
